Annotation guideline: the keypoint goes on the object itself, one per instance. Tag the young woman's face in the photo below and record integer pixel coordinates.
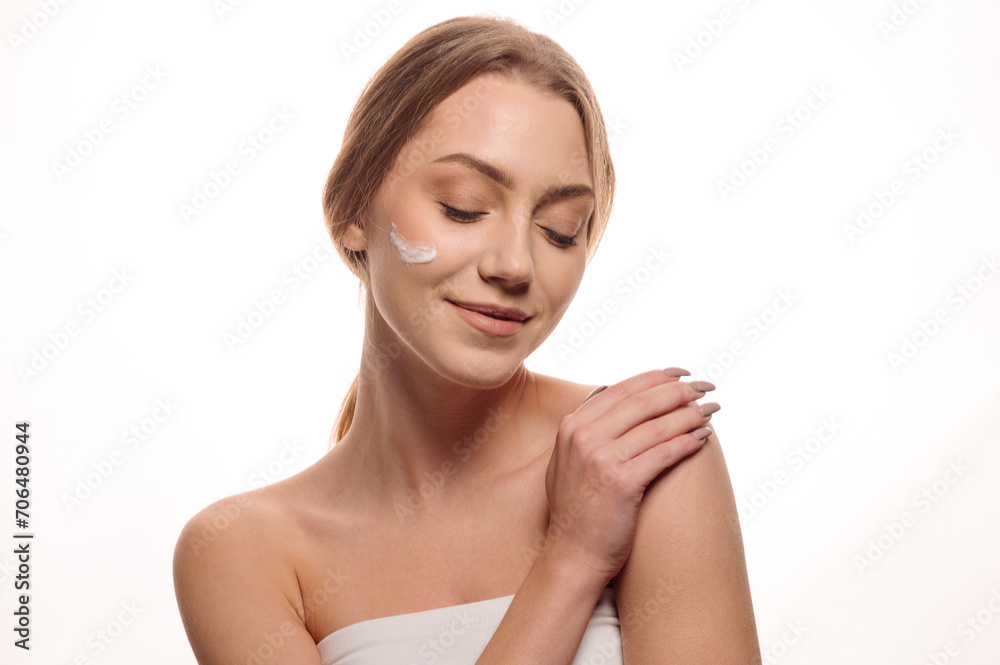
(487, 206)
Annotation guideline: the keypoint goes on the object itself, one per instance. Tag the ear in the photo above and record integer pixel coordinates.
(354, 237)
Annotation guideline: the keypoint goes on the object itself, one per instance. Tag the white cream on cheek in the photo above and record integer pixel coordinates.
(410, 252)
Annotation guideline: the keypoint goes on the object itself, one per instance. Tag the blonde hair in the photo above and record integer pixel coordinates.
(399, 98)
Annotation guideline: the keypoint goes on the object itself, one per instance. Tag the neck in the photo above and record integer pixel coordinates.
(419, 439)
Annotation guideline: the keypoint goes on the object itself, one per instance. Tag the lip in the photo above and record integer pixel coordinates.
(485, 317)
(493, 311)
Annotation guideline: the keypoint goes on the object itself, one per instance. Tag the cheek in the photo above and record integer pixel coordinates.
(411, 252)
(411, 234)
(456, 244)
(419, 234)
(563, 279)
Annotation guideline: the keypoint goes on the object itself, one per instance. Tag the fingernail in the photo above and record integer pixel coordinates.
(677, 371)
(701, 433)
(709, 408)
(702, 386)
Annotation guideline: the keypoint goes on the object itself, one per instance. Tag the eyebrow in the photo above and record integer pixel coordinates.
(505, 179)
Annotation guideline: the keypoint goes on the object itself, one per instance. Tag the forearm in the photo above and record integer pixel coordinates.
(547, 618)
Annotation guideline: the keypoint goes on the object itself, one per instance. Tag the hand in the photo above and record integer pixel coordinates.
(606, 453)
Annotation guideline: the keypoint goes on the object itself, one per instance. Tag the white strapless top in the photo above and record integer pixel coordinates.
(457, 634)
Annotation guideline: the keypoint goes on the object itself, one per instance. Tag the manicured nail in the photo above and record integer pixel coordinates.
(701, 433)
(677, 371)
(709, 408)
(702, 386)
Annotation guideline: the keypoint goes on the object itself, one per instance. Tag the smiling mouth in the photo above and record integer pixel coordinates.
(494, 311)
(494, 320)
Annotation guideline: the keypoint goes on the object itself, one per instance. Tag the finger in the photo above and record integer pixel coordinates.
(632, 410)
(681, 420)
(600, 400)
(654, 461)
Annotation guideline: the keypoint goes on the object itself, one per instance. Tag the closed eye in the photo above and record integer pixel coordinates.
(471, 215)
(464, 215)
(560, 238)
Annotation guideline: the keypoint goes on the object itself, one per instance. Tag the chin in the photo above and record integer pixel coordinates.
(481, 370)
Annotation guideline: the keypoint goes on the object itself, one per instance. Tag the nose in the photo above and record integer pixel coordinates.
(507, 259)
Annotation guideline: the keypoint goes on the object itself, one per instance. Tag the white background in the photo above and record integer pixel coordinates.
(678, 130)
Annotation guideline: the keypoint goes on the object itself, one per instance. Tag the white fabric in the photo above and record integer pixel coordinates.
(457, 634)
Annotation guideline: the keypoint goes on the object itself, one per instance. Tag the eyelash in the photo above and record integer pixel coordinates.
(467, 216)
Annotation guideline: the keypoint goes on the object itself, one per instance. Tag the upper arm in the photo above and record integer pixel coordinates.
(684, 595)
(230, 591)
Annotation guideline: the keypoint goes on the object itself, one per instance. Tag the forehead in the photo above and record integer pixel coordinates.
(507, 122)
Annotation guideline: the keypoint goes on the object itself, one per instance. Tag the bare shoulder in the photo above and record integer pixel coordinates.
(564, 396)
(224, 523)
(236, 588)
(688, 562)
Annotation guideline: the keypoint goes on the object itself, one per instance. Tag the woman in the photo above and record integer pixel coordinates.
(472, 510)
